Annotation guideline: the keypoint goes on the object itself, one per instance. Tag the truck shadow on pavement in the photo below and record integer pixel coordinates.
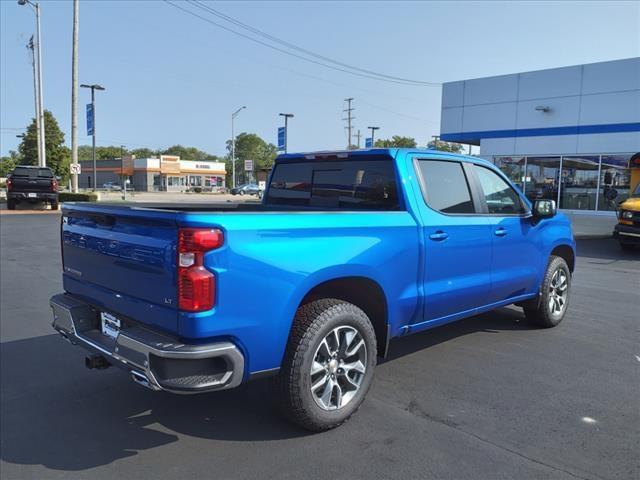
(57, 414)
(605, 249)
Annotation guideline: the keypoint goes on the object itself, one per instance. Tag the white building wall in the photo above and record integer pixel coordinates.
(606, 93)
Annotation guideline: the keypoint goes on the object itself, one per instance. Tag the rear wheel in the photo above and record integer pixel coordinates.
(328, 365)
(55, 205)
(627, 246)
(554, 295)
(11, 204)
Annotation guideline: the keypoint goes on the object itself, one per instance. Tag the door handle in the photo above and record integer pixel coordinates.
(500, 232)
(439, 236)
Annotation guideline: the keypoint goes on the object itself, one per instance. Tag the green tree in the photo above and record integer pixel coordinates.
(249, 146)
(445, 146)
(144, 152)
(396, 141)
(7, 164)
(85, 152)
(58, 156)
(189, 153)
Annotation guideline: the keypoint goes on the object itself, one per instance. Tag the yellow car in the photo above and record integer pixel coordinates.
(627, 231)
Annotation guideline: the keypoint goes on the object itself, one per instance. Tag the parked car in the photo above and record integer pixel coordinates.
(346, 251)
(627, 230)
(112, 186)
(27, 183)
(246, 189)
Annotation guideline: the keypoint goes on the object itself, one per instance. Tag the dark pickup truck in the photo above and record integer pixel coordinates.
(27, 183)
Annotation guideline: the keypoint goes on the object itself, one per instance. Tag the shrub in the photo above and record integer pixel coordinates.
(77, 197)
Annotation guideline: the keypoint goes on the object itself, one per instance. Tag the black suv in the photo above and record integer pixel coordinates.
(32, 184)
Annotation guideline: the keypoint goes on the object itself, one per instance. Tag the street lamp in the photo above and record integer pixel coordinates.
(93, 88)
(233, 144)
(286, 131)
(373, 130)
(42, 155)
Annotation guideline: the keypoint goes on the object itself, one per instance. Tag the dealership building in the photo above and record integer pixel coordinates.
(168, 173)
(564, 133)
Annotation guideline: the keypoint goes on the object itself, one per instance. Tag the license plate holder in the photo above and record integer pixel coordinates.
(32, 195)
(110, 325)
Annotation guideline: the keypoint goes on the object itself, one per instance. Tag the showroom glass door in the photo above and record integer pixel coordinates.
(615, 178)
(542, 178)
(579, 182)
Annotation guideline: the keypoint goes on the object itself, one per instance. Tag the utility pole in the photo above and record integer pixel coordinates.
(373, 131)
(42, 157)
(286, 128)
(349, 119)
(93, 88)
(358, 135)
(74, 96)
(435, 141)
(31, 47)
(233, 144)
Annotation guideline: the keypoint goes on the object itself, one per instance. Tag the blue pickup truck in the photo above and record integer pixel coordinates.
(346, 251)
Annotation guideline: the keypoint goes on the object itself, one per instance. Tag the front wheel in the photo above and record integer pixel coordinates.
(328, 365)
(554, 295)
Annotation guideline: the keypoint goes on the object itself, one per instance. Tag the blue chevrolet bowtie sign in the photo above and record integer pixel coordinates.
(282, 141)
(90, 119)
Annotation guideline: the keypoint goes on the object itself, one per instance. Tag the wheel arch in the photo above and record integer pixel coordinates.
(362, 292)
(565, 252)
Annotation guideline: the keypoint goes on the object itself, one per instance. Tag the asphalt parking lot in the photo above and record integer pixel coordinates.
(486, 398)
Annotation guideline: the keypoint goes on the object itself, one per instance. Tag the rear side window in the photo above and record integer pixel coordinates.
(445, 186)
(499, 196)
(346, 185)
(32, 172)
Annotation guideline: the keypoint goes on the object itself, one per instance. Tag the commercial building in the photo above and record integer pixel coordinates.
(564, 133)
(167, 173)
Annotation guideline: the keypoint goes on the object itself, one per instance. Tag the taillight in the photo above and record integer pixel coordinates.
(196, 284)
(54, 185)
(9, 184)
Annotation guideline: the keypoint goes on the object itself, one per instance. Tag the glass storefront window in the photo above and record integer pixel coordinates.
(579, 182)
(614, 181)
(513, 168)
(542, 178)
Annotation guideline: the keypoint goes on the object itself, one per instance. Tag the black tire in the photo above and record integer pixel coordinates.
(543, 313)
(242, 192)
(312, 323)
(627, 247)
(11, 204)
(55, 205)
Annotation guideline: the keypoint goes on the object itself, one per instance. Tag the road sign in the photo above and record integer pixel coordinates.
(75, 169)
(282, 138)
(248, 165)
(262, 185)
(368, 142)
(90, 119)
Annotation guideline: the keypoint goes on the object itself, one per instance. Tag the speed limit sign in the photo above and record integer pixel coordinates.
(75, 169)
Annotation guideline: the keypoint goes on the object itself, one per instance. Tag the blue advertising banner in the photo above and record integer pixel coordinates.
(368, 142)
(90, 119)
(282, 133)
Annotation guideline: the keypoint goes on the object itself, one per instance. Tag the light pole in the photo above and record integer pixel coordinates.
(93, 88)
(42, 155)
(373, 131)
(233, 144)
(286, 116)
(74, 96)
(31, 46)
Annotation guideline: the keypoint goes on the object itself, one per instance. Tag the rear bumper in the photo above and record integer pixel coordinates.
(154, 360)
(627, 233)
(48, 196)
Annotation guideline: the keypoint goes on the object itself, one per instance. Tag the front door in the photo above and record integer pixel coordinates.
(516, 255)
(457, 263)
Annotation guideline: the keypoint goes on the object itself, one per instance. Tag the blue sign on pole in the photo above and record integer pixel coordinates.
(368, 142)
(282, 133)
(90, 119)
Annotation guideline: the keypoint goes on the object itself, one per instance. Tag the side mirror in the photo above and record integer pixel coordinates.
(544, 209)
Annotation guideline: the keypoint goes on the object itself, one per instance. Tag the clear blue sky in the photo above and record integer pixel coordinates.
(172, 78)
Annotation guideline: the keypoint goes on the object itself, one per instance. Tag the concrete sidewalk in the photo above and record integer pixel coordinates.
(588, 225)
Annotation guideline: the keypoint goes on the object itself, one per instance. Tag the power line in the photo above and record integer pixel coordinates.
(208, 20)
(292, 46)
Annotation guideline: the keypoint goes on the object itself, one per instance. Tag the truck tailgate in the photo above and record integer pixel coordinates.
(122, 260)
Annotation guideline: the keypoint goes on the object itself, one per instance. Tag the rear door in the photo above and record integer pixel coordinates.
(29, 179)
(123, 260)
(457, 262)
(517, 254)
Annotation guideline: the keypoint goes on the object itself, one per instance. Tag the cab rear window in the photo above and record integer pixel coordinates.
(32, 172)
(344, 185)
